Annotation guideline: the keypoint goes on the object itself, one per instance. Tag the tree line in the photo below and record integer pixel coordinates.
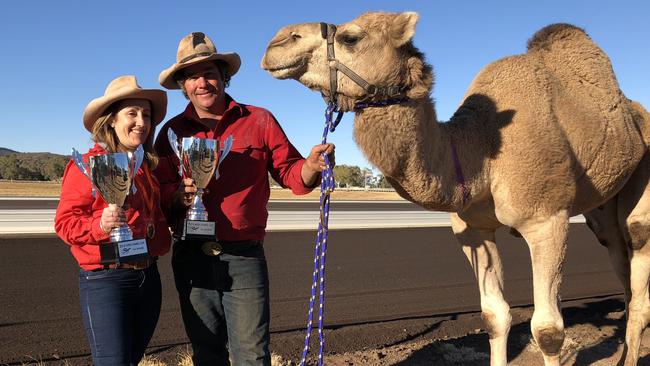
(353, 176)
(50, 167)
(32, 166)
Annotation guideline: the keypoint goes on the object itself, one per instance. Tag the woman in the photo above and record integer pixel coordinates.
(120, 302)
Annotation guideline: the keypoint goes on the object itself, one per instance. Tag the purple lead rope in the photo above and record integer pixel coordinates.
(318, 277)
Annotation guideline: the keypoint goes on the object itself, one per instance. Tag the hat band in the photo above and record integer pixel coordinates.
(195, 55)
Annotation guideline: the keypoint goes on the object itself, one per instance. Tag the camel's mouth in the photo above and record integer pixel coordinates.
(287, 69)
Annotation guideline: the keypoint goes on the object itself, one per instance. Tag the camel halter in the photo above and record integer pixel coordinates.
(391, 94)
(391, 91)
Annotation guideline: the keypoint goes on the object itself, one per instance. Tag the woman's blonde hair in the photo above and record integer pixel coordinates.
(104, 133)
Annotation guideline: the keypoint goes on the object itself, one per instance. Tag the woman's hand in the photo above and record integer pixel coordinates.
(112, 217)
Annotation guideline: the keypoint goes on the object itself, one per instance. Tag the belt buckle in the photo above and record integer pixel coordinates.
(141, 265)
(211, 248)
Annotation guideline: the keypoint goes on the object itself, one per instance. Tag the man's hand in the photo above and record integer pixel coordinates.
(315, 163)
(184, 195)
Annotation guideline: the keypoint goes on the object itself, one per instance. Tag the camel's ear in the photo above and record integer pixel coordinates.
(403, 28)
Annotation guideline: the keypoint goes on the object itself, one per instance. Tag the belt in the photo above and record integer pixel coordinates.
(214, 249)
(143, 264)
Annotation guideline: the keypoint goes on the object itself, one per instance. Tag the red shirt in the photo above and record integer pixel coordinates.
(237, 200)
(78, 215)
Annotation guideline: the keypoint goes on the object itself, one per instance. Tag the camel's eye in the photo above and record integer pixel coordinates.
(348, 39)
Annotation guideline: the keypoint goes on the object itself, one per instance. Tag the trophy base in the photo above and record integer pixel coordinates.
(199, 230)
(123, 251)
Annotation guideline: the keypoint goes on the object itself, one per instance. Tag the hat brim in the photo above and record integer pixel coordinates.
(98, 106)
(166, 77)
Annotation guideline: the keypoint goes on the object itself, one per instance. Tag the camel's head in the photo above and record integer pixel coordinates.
(375, 46)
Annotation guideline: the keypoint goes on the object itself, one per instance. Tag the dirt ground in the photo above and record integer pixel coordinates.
(594, 330)
(594, 336)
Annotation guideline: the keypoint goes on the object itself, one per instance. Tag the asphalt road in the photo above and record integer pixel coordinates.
(372, 276)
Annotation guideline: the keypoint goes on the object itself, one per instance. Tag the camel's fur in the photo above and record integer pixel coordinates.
(540, 136)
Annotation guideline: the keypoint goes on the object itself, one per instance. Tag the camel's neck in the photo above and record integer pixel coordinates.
(413, 151)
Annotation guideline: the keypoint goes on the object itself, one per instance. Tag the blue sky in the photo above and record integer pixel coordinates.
(58, 55)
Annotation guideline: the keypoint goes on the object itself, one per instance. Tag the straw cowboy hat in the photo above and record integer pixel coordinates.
(194, 48)
(126, 87)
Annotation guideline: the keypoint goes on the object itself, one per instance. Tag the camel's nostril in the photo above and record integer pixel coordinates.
(295, 35)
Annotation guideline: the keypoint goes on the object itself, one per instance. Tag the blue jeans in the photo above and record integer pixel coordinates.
(120, 309)
(224, 303)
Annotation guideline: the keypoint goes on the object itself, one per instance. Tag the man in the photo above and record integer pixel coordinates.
(223, 289)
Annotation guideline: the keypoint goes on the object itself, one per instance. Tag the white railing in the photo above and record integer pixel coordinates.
(41, 221)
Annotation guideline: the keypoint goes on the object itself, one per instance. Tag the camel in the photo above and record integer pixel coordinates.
(539, 137)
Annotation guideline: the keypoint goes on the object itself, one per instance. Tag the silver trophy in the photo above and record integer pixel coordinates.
(200, 160)
(112, 176)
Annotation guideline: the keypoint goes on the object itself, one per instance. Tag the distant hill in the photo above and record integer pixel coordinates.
(34, 155)
(5, 151)
(15, 165)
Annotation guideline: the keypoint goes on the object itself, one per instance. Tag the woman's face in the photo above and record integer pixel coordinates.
(132, 122)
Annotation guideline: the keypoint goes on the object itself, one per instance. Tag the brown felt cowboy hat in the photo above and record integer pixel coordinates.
(126, 87)
(194, 48)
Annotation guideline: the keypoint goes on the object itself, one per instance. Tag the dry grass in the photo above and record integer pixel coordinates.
(338, 194)
(151, 361)
(185, 359)
(53, 189)
(42, 363)
(18, 188)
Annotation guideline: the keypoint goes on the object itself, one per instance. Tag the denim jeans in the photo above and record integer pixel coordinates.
(120, 309)
(224, 303)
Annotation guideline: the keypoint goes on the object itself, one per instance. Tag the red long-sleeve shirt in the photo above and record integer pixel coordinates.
(237, 200)
(79, 213)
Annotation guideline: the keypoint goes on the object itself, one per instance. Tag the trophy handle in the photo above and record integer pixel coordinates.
(79, 162)
(227, 145)
(173, 142)
(136, 158)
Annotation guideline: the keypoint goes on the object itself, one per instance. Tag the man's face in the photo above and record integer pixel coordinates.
(204, 87)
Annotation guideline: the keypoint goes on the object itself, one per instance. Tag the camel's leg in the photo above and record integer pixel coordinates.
(604, 223)
(480, 249)
(634, 215)
(639, 307)
(547, 242)
(638, 226)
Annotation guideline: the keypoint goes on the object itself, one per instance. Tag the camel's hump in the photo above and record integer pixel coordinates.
(576, 62)
(552, 33)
